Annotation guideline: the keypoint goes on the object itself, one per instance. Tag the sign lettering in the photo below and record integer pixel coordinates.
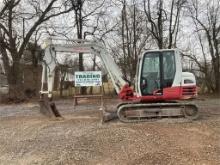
(88, 78)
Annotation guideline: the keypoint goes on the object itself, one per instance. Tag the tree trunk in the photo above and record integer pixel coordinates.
(15, 82)
(217, 81)
(81, 68)
(217, 77)
(61, 88)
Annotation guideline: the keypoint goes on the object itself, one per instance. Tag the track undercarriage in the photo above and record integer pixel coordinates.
(138, 112)
(129, 112)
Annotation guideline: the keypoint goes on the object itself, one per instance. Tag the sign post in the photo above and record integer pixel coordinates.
(88, 79)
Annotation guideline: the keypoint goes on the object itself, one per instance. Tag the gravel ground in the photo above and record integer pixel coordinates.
(27, 137)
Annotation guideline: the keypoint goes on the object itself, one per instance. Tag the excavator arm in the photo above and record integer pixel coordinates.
(77, 46)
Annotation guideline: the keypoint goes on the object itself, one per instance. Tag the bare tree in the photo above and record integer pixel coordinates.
(131, 28)
(82, 15)
(132, 40)
(205, 17)
(163, 22)
(13, 40)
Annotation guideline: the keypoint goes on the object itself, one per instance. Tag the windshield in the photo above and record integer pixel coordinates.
(158, 71)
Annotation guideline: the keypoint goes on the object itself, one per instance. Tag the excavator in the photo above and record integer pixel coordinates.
(161, 87)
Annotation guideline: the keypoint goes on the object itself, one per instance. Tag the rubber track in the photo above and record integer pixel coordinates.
(183, 106)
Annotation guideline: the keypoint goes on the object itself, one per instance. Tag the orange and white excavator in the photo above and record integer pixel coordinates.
(160, 83)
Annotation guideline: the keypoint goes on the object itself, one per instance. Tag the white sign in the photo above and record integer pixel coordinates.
(88, 78)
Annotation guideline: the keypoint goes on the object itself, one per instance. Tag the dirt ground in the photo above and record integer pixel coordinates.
(27, 137)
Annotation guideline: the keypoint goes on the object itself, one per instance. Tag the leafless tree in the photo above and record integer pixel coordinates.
(130, 39)
(163, 20)
(82, 14)
(133, 38)
(205, 16)
(14, 37)
(83, 11)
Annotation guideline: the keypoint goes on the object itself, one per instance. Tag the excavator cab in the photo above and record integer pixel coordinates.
(160, 83)
(160, 77)
(157, 72)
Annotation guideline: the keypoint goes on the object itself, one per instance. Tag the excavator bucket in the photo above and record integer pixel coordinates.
(48, 108)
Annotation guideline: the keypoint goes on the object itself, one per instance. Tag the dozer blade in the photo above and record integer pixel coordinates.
(48, 108)
(108, 116)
